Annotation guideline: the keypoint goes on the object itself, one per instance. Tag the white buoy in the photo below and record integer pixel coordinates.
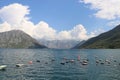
(19, 65)
(2, 67)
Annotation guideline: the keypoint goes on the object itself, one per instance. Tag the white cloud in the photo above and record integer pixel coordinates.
(106, 9)
(14, 17)
(96, 32)
(5, 27)
(26, 26)
(77, 33)
(113, 23)
(14, 13)
(43, 30)
(64, 35)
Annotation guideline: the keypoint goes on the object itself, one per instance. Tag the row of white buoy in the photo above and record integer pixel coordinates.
(65, 60)
(86, 61)
(3, 67)
(106, 61)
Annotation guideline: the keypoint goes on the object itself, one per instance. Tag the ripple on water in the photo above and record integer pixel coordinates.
(47, 70)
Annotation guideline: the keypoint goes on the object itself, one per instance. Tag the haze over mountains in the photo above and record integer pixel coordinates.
(110, 39)
(59, 44)
(18, 39)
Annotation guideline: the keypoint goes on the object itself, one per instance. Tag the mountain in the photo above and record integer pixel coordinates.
(59, 44)
(110, 39)
(18, 39)
(79, 44)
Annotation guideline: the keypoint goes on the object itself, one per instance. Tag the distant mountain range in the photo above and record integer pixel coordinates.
(59, 44)
(110, 39)
(18, 39)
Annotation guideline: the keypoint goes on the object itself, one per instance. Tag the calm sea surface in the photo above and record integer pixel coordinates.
(46, 64)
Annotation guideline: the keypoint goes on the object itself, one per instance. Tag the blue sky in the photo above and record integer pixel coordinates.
(65, 14)
(60, 14)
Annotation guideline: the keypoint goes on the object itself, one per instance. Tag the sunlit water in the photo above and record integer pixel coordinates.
(47, 69)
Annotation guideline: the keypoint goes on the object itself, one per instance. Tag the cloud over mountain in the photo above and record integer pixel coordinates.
(15, 16)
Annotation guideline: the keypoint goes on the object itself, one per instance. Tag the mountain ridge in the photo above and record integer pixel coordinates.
(109, 39)
(18, 39)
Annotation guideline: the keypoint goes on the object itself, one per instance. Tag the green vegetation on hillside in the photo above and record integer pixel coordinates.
(110, 39)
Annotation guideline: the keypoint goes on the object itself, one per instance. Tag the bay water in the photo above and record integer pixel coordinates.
(49, 64)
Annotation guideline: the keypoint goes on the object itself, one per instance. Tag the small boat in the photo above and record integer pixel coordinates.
(67, 61)
(38, 61)
(46, 62)
(108, 62)
(2, 67)
(102, 63)
(72, 61)
(97, 61)
(53, 60)
(62, 63)
(84, 63)
(19, 65)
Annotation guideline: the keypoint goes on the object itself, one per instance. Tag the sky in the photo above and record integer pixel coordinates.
(60, 19)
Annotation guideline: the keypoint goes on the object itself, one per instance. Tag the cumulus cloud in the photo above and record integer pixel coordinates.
(106, 9)
(64, 35)
(43, 30)
(77, 33)
(14, 13)
(14, 16)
